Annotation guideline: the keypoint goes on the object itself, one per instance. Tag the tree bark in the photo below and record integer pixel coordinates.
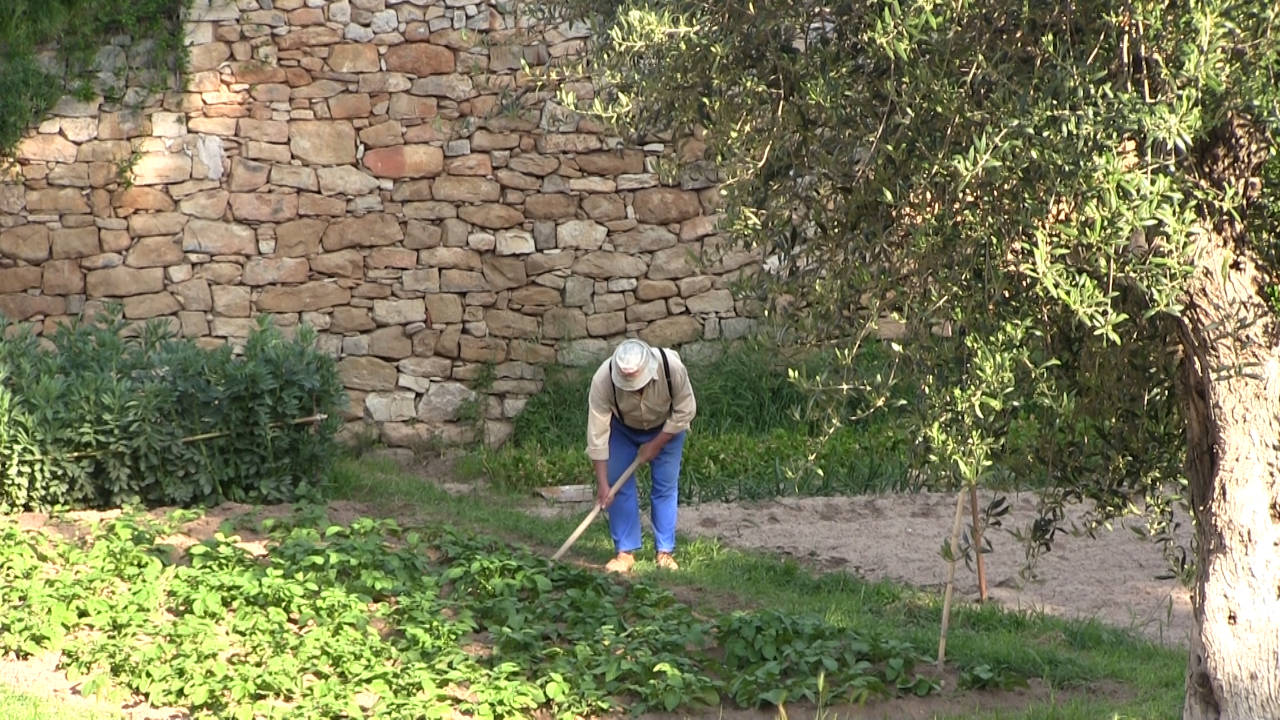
(1231, 386)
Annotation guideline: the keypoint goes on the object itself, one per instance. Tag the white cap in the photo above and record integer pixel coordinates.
(634, 364)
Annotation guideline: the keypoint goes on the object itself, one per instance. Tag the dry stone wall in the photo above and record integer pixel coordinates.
(384, 171)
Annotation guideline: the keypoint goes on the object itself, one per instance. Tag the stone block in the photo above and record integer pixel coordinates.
(141, 307)
(154, 252)
(232, 301)
(486, 140)
(218, 238)
(484, 350)
(346, 180)
(504, 273)
(466, 189)
(20, 306)
(14, 280)
(369, 230)
(660, 206)
(443, 400)
(207, 204)
(46, 148)
(611, 163)
(124, 282)
(390, 342)
(710, 302)
(354, 58)
(644, 238)
(302, 178)
(367, 373)
(29, 243)
(74, 243)
(194, 294)
(405, 161)
(604, 207)
(264, 207)
(672, 331)
(452, 280)
(344, 263)
(272, 270)
(62, 277)
(603, 265)
(474, 164)
(323, 142)
(399, 312)
(271, 131)
(420, 59)
(314, 295)
(160, 168)
(351, 319)
(493, 216)
(606, 324)
(674, 262)
(60, 200)
(395, 406)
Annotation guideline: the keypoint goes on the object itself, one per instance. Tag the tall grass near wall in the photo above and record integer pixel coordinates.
(755, 435)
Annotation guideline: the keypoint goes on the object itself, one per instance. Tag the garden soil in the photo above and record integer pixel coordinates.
(1119, 577)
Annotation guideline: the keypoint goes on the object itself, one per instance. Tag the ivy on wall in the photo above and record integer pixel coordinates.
(51, 48)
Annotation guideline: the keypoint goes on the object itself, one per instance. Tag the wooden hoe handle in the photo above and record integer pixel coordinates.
(595, 509)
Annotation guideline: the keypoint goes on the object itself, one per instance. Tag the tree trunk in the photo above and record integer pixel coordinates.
(1231, 386)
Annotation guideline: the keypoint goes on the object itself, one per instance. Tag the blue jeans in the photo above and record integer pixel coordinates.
(624, 515)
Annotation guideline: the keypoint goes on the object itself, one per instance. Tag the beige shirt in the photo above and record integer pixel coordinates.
(645, 408)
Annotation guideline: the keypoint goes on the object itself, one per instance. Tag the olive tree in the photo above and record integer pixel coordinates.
(1068, 208)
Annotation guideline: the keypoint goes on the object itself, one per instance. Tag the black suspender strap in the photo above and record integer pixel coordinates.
(666, 370)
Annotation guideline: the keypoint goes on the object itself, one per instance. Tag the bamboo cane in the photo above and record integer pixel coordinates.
(951, 577)
(309, 420)
(595, 509)
(977, 544)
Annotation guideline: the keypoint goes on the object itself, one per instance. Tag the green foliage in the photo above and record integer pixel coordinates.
(985, 677)
(95, 418)
(368, 619)
(20, 706)
(49, 48)
(757, 434)
(1026, 187)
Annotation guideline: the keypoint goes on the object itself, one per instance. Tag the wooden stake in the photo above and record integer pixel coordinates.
(951, 577)
(977, 544)
(309, 420)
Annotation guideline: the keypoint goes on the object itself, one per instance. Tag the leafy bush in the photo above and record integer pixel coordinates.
(369, 620)
(95, 418)
(755, 436)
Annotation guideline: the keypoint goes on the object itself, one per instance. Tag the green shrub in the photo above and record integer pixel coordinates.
(755, 436)
(97, 419)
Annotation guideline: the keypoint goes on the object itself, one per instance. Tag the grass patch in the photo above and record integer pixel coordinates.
(17, 705)
(1067, 655)
(757, 435)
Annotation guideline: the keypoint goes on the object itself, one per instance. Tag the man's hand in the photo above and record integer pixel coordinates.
(602, 495)
(648, 451)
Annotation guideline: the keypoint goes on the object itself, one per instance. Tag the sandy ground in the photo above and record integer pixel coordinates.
(1117, 577)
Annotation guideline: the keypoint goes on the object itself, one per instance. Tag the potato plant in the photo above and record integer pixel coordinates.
(369, 620)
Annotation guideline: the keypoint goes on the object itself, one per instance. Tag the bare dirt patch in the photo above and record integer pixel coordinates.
(1118, 577)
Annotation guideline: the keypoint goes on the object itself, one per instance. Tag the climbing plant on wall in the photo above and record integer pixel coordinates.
(84, 48)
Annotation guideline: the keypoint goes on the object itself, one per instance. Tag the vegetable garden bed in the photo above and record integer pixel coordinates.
(295, 617)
